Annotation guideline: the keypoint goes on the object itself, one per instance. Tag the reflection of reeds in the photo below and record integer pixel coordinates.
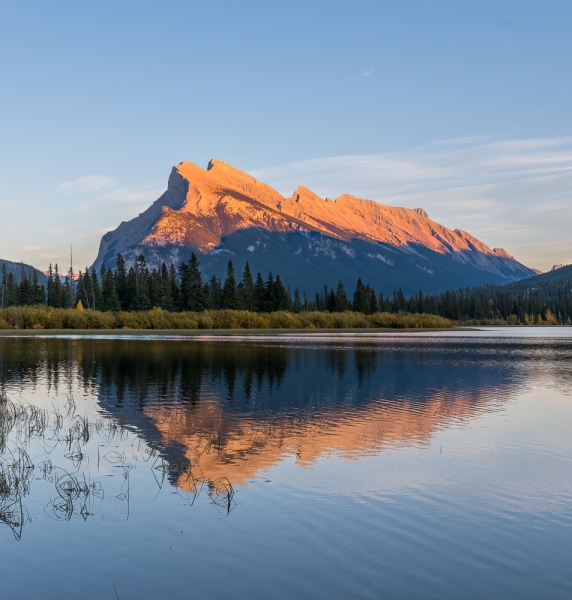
(75, 492)
(210, 441)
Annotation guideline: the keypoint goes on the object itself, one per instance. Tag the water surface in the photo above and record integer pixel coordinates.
(431, 465)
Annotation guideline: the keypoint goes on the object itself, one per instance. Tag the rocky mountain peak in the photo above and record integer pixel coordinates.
(203, 209)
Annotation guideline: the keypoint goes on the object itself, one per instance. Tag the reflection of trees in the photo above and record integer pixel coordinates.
(138, 370)
(233, 407)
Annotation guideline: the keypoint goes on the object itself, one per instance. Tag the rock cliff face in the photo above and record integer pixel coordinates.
(222, 213)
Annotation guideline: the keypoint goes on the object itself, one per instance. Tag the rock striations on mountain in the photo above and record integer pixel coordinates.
(223, 213)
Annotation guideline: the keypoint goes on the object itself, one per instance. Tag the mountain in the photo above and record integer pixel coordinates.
(16, 269)
(222, 213)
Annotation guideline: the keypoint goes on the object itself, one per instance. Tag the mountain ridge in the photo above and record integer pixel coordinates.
(213, 211)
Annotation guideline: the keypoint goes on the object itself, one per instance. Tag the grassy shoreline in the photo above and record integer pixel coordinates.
(42, 318)
(211, 332)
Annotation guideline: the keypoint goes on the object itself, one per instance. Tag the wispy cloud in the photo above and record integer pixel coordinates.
(135, 196)
(30, 248)
(512, 193)
(368, 73)
(89, 184)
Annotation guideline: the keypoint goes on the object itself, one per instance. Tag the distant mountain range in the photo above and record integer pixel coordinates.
(16, 269)
(222, 213)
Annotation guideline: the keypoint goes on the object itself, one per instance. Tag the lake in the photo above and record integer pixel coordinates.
(390, 465)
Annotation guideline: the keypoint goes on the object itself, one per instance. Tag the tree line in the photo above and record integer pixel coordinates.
(138, 288)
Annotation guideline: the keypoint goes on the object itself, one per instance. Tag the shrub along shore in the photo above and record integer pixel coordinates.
(42, 317)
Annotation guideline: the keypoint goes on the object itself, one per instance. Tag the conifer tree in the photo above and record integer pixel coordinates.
(269, 297)
(197, 299)
(174, 287)
(121, 283)
(95, 291)
(215, 293)
(297, 304)
(361, 298)
(341, 299)
(81, 290)
(4, 286)
(69, 292)
(109, 293)
(57, 301)
(154, 288)
(280, 297)
(166, 297)
(259, 294)
(37, 292)
(50, 285)
(230, 296)
(24, 289)
(247, 289)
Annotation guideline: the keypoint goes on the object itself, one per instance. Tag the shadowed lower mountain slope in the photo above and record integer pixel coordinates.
(222, 213)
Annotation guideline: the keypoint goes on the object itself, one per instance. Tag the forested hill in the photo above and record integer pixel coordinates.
(545, 298)
(18, 268)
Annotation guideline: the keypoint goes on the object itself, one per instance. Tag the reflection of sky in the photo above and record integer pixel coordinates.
(483, 503)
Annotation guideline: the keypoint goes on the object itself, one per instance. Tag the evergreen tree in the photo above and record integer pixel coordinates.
(281, 297)
(230, 296)
(270, 299)
(197, 299)
(121, 283)
(154, 288)
(95, 290)
(69, 292)
(361, 298)
(247, 289)
(141, 301)
(50, 285)
(297, 305)
(4, 287)
(55, 299)
(38, 292)
(24, 290)
(215, 293)
(341, 300)
(174, 287)
(110, 298)
(259, 294)
(166, 297)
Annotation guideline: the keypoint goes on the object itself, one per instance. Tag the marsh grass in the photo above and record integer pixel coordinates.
(76, 493)
(43, 317)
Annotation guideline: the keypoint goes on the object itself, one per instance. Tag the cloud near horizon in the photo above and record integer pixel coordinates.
(83, 185)
(515, 194)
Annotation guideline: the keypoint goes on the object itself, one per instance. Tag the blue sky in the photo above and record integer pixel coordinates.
(462, 108)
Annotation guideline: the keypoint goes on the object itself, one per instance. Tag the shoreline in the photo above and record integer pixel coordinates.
(215, 332)
(161, 333)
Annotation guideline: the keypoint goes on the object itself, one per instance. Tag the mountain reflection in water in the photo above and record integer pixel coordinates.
(235, 407)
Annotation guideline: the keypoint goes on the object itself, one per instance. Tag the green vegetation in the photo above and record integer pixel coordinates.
(139, 298)
(42, 317)
(542, 300)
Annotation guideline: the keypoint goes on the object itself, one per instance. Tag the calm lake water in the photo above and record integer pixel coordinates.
(434, 465)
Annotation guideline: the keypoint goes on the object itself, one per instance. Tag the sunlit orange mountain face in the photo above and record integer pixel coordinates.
(223, 213)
